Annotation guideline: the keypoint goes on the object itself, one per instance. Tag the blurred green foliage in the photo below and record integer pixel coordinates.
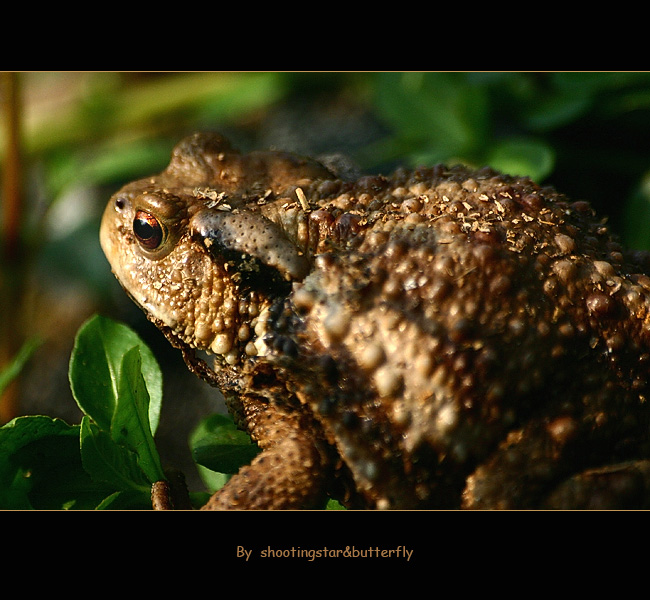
(118, 125)
(517, 122)
(587, 133)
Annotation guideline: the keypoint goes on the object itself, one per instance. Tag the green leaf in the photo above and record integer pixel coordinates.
(40, 466)
(637, 215)
(556, 110)
(244, 95)
(94, 370)
(12, 370)
(523, 157)
(107, 462)
(445, 112)
(126, 500)
(111, 374)
(592, 82)
(218, 445)
(212, 480)
(130, 425)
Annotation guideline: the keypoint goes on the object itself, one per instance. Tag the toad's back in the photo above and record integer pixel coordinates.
(423, 339)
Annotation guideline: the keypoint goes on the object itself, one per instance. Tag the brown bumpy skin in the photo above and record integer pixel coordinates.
(288, 473)
(437, 338)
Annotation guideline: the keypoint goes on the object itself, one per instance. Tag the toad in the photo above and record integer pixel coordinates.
(438, 338)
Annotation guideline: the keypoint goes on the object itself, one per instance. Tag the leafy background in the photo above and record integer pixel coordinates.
(83, 134)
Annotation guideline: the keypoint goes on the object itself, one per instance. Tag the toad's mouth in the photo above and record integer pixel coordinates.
(225, 378)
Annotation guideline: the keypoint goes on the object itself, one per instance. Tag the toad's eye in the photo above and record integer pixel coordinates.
(148, 230)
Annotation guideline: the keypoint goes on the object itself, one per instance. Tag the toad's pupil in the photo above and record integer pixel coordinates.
(147, 229)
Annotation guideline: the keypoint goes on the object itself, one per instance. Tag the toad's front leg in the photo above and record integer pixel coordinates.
(289, 473)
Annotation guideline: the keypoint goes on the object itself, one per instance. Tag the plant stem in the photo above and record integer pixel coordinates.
(12, 187)
(11, 260)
